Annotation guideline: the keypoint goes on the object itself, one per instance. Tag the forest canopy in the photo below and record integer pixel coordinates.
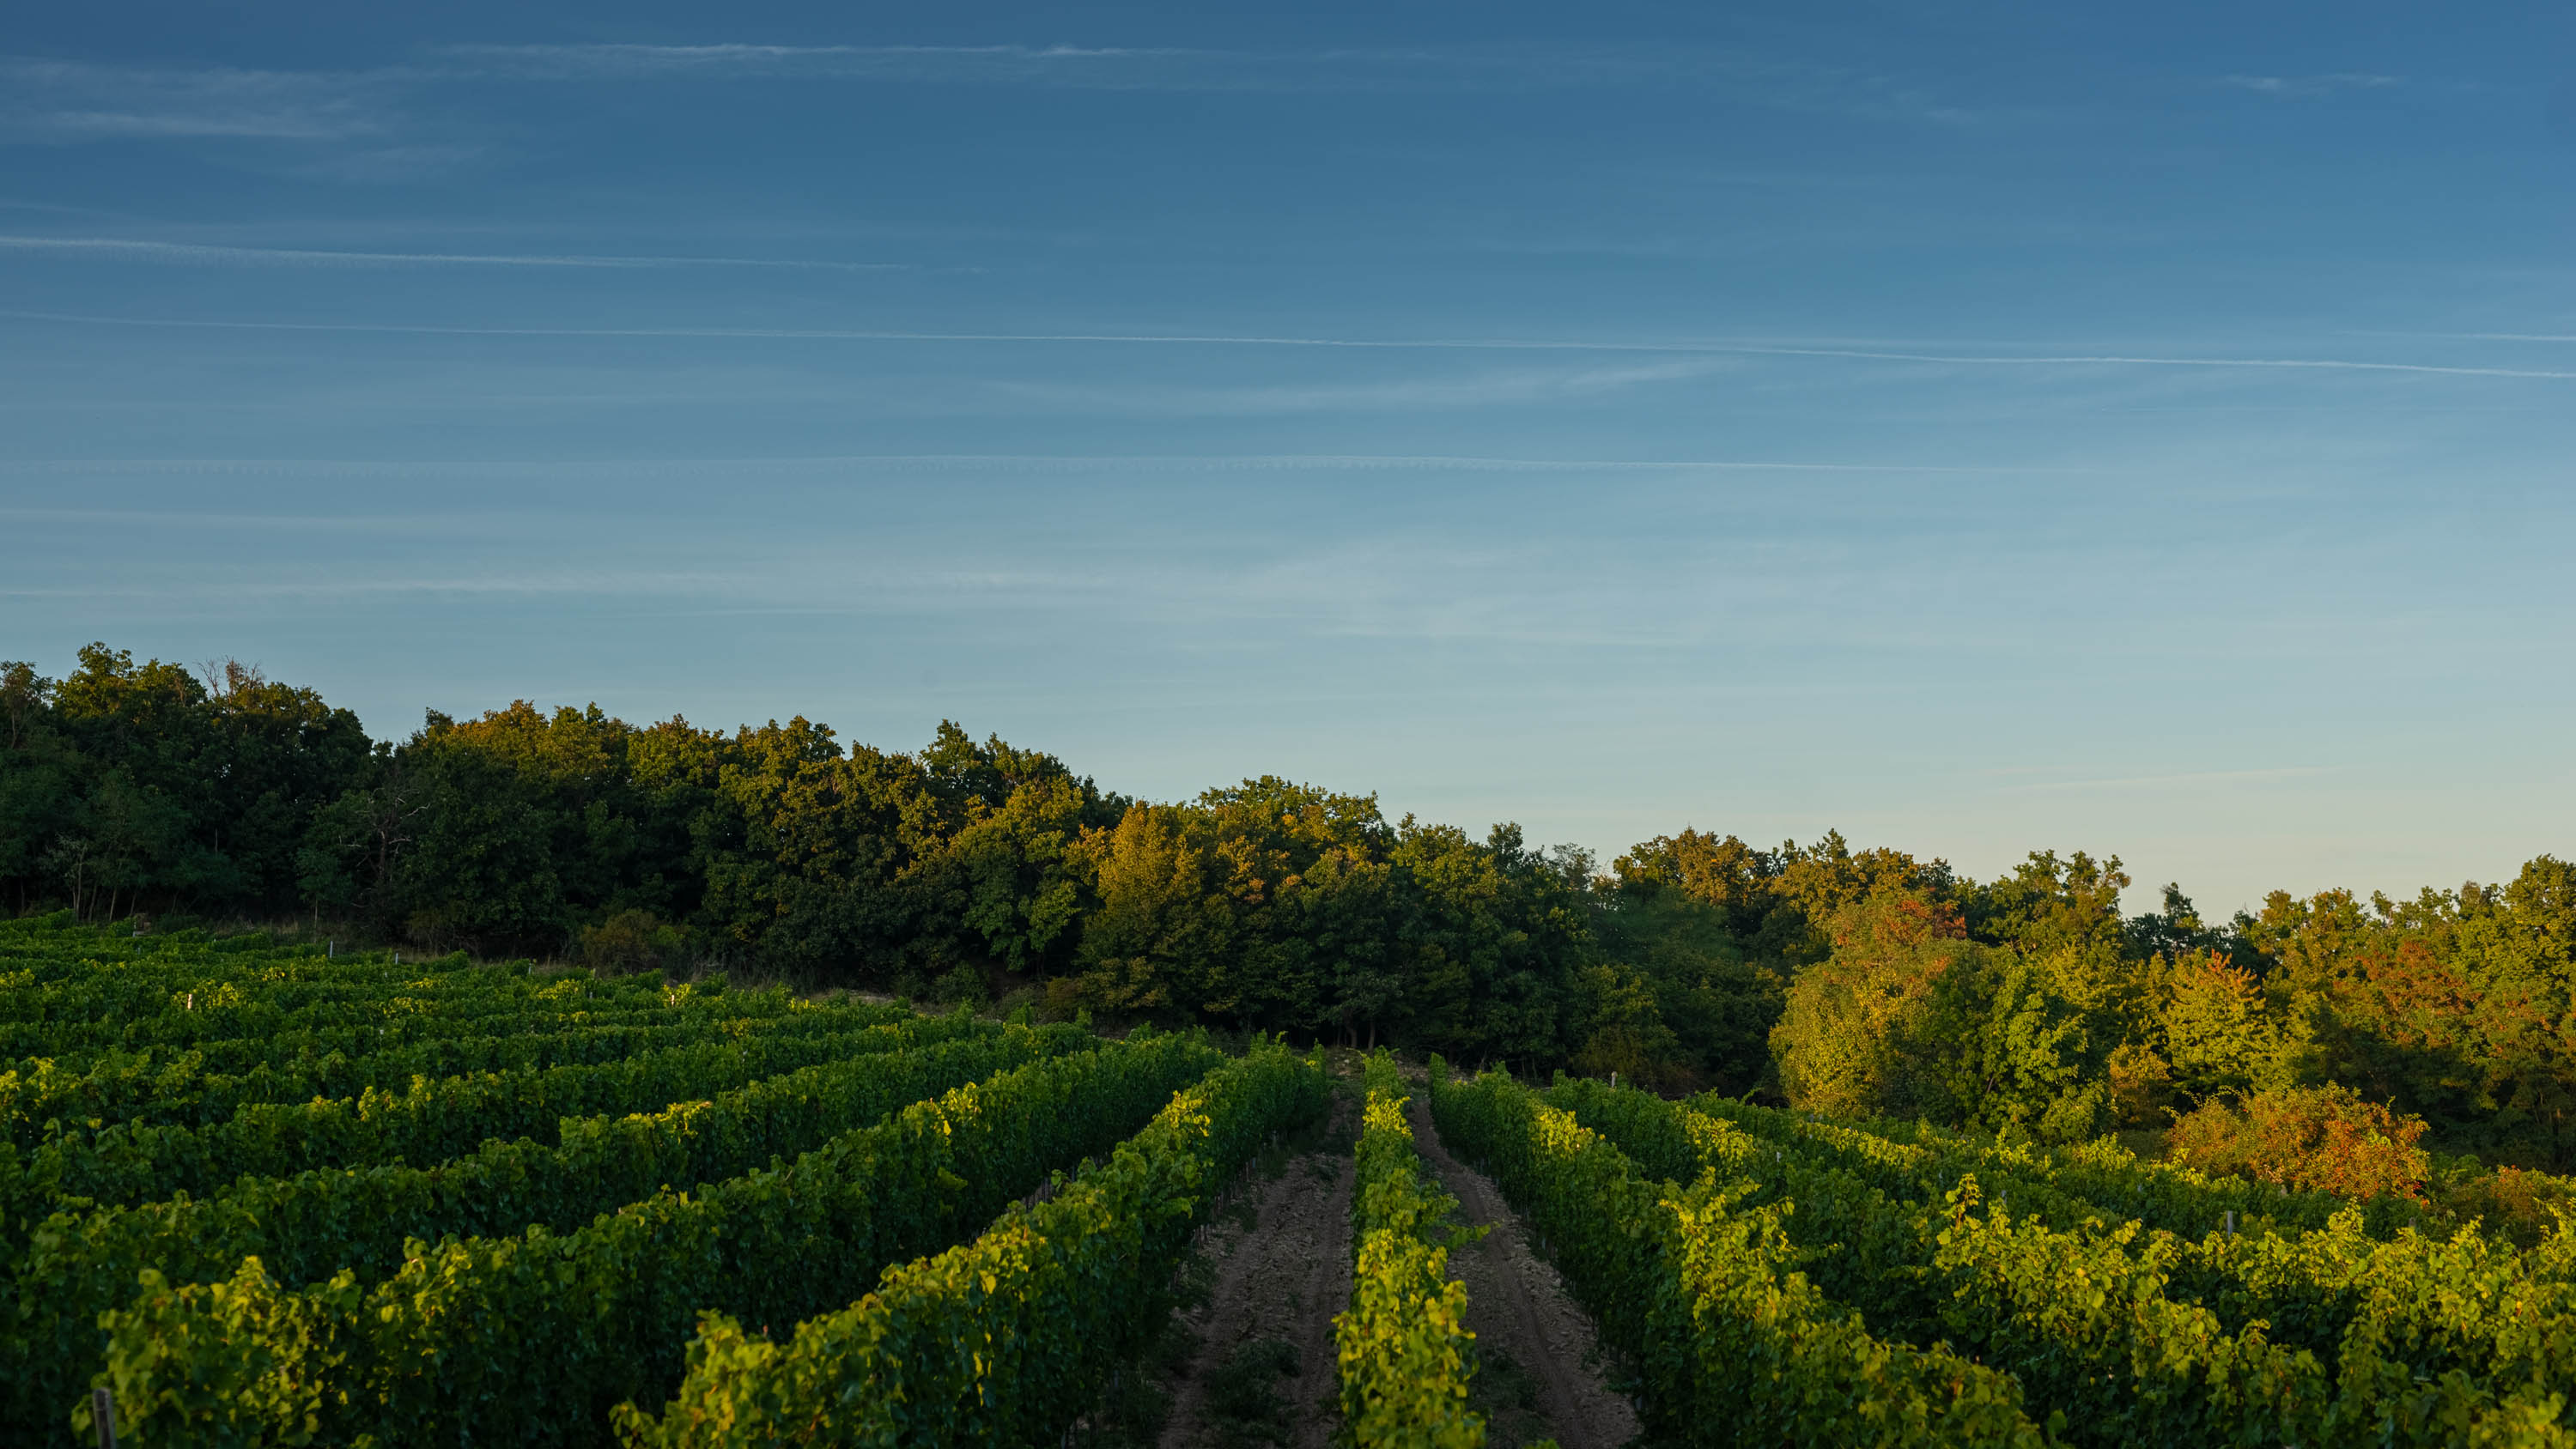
(1856, 982)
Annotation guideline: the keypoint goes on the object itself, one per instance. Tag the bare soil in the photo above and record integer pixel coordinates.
(1281, 1253)
(1539, 1349)
(1249, 1359)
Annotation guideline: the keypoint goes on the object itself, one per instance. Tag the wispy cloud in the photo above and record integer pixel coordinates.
(2184, 779)
(2128, 360)
(390, 121)
(577, 582)
(2309, 85)
(1112, 66)
(1763, 82)
(58, 209)
(396, 524)
(388, 163)
(67, 101)
(207, 254)
(1124, 463)
(358, 126)
(1529, 385)
(1273, 340)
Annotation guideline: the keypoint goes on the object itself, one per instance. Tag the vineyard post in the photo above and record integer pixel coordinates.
(2231, 1222)
(102, 1412)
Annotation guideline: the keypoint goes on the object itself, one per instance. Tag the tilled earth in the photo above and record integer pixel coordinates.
(1251, 1364)
(1262, 1371)
(1542, 1363)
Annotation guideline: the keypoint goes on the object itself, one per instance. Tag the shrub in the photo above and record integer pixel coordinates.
(2327, 1138)
(2521, 1204)
(963, 986)
(633, 941)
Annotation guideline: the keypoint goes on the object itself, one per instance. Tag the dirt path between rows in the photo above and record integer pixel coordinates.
(1278, 1283)
(1526, 1325)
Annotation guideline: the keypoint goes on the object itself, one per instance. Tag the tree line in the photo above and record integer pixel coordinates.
(1858, 982)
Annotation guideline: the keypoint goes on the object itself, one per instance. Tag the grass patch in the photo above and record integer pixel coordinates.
(1244, 1405)
(1507, 1395)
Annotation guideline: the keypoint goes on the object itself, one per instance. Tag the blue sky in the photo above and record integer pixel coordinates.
(1978, 430)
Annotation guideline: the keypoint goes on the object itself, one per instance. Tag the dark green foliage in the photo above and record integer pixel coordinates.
(612, 1301)
(1840, 980)
(1010, 1338)
(2119, 1332)
(303, 1228)
(127, 784)
(1700, 1295)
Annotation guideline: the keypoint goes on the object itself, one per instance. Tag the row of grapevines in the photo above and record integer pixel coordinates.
(236, 1033)
(2086, 1322)
(1403, 1347)
(2187, 1201)
(2077, 1317)
(305, 1228)
(2083, 1318)
(2341, 1292)
(1841, 1169)
(531, 1339)
(52, 950)
(136, 1005)
(357, 1034)
(2300, 1314)
(134, 1089)
(1005, 1340)
(1701, 1294)
(1905, 1170)
(1856, 1243)
(429, 1123)
(446, 1048)
(105, 993)
(2468, 1304)
(2103, 1176)
(67, 993)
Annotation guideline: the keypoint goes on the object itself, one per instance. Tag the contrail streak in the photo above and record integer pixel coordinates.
(1064, 461)
(298, 256)
(1427, 344)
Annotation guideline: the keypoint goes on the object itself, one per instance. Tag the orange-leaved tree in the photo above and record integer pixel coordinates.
(2327, 1138)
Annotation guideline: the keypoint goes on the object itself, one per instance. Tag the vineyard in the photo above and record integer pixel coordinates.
(254, 1193)
(292, 1196)
(1772, 1279)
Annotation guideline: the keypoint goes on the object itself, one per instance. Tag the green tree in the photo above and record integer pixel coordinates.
(2219, 1034)
(1621, 1030)
(1860, 1035)
(2047, 903)
(1719, 1005)
(1163, 933)
(2044, 1025)
(40, 782)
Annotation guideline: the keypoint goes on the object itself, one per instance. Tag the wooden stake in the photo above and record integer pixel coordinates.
(102, 1412)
